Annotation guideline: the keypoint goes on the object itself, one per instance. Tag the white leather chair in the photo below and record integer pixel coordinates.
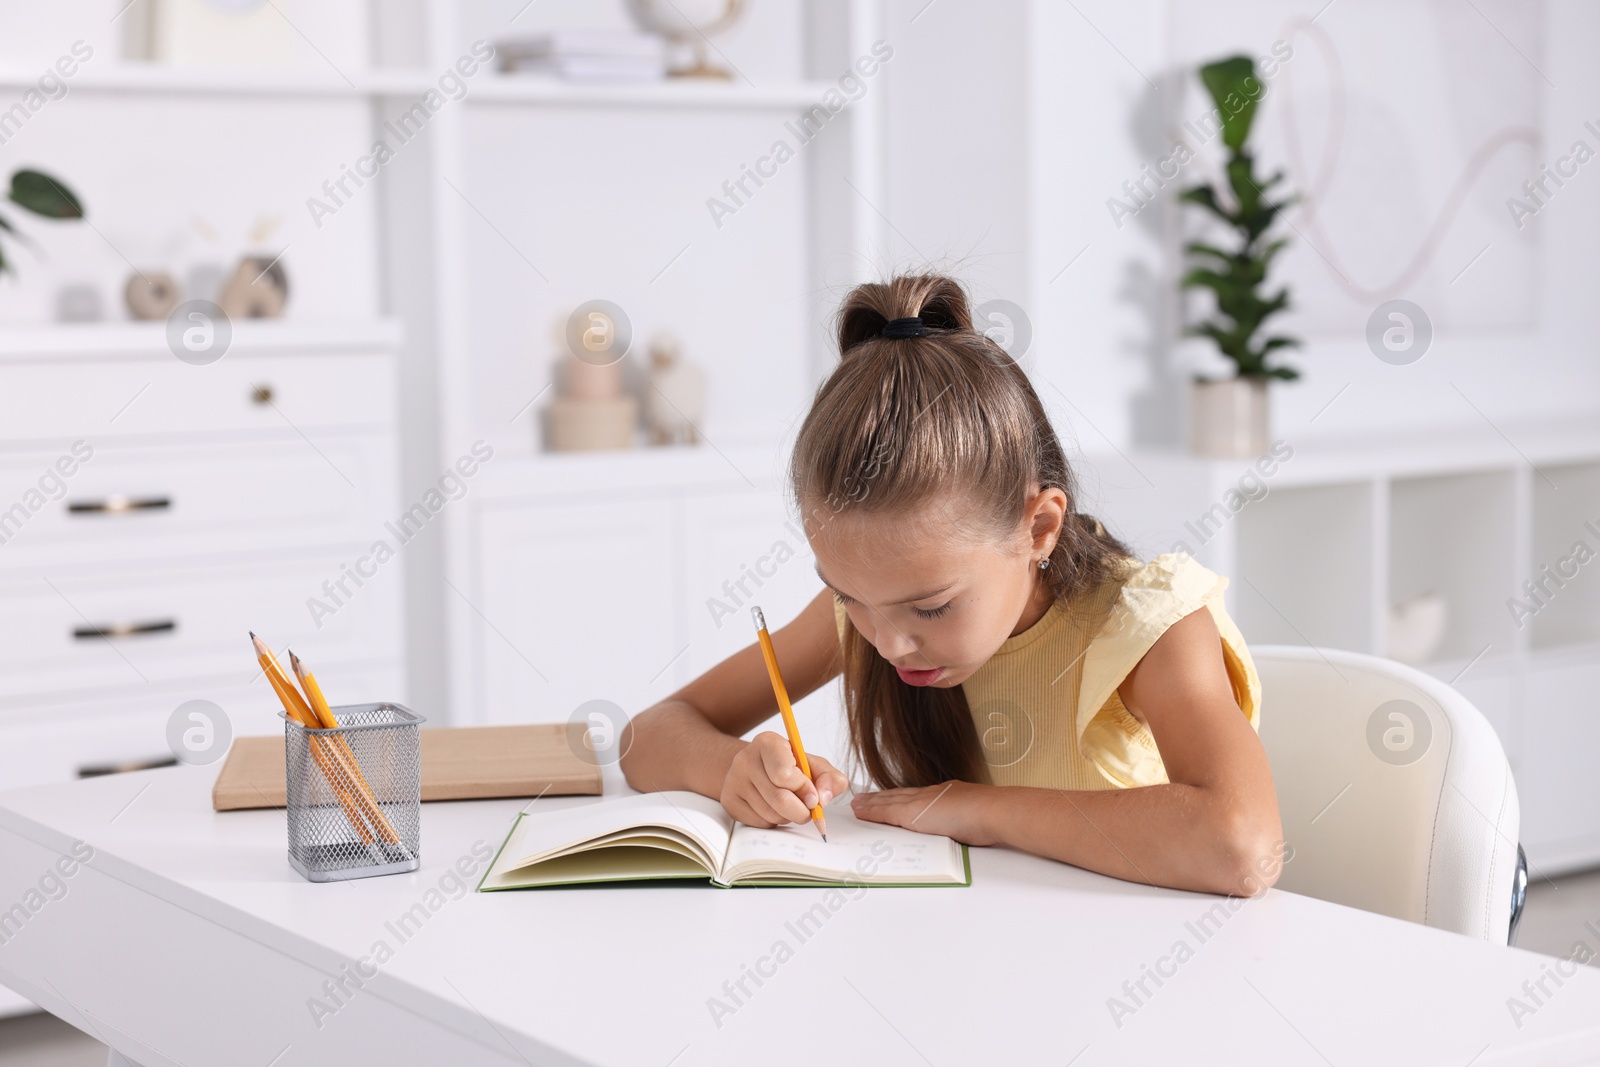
(1395, 794)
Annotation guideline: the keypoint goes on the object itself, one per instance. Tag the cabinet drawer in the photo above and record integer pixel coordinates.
(125, 503)
(70, 635)
(287, 395)
(57, 744)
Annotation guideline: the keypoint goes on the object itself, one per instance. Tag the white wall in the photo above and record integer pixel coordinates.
(1013, 122)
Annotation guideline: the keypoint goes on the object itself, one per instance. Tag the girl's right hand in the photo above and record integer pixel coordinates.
(765, 788)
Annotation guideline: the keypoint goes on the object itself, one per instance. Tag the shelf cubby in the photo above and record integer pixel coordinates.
(1304, 560)
(1566, 530)
(1454, 535)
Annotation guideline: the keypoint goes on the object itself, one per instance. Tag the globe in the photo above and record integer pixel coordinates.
(691, 23)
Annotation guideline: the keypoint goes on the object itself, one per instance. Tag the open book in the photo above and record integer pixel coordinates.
(685, 835)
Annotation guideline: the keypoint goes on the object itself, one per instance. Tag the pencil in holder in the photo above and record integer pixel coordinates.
(354, 793)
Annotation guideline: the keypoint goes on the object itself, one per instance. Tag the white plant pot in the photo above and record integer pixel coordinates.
(1229, 419)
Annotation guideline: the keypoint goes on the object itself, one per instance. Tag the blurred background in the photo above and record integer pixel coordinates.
(459, 344)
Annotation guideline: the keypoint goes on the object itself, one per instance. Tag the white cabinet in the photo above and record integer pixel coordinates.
(745, 547)
(1556, 780)
(152, 512)
(628, 575)
(742, 548)
(577, 604)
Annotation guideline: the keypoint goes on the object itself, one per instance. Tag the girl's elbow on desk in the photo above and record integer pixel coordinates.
(1255, 860)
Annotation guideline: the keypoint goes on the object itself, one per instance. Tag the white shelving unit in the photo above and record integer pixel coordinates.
(1341, 530)
(504, 269)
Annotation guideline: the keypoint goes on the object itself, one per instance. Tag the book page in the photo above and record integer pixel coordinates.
(618, 863)
(690, 818)
(860, 852)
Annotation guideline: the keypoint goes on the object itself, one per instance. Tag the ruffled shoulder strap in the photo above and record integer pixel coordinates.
(1152, 598)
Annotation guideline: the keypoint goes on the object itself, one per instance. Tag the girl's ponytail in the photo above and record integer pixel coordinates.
(938, 301)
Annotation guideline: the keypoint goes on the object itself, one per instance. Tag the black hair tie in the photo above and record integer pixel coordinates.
(911, 327)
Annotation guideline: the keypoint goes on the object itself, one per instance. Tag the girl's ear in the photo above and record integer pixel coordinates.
(1047, 513)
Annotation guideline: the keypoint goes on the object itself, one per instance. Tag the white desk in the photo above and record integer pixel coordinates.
(187, 939)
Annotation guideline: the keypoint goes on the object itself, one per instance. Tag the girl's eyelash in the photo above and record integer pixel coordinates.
(930, 613)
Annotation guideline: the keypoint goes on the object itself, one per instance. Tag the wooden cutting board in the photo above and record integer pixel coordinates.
(458, 763)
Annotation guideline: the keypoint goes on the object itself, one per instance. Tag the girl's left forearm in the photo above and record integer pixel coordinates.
(1173, 834)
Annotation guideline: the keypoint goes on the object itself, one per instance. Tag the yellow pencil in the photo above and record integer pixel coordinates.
(789, 725)
(346, 772)
(295, 705)
(324, 714)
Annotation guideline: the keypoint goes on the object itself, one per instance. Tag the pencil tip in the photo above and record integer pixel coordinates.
(252, 635)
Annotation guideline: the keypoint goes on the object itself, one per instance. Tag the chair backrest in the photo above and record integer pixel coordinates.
(1395, 794)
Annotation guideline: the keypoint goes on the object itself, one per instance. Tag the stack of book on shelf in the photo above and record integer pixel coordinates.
(585, 55)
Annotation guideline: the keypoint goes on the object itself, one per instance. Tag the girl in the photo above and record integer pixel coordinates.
(1011, 676)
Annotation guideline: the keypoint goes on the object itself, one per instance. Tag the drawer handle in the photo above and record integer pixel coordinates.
(96, 770)
(117, 504)
(125, 629)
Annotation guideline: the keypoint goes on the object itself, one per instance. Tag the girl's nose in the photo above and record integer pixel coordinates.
(891, 644)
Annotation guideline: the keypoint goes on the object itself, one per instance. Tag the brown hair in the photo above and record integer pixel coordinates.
(905, 419)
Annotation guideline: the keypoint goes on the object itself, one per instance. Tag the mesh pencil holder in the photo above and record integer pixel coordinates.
(354, 793)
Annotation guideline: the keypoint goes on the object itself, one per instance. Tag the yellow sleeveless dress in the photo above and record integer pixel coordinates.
(1045, 705)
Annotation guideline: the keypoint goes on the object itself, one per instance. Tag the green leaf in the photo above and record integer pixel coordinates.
(1206, 197)
(1230, 342)
(1270, 251)
(1229, 292)
(1210, 279)
(1199, 248)
(44, 195)
(1233, 85)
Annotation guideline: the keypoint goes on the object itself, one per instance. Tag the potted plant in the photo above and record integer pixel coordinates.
(1229, 416)
(43, 195)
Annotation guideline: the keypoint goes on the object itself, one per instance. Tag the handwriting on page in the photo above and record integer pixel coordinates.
(860, 849)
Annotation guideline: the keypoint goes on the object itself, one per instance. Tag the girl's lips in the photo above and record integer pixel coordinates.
(919, 677)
